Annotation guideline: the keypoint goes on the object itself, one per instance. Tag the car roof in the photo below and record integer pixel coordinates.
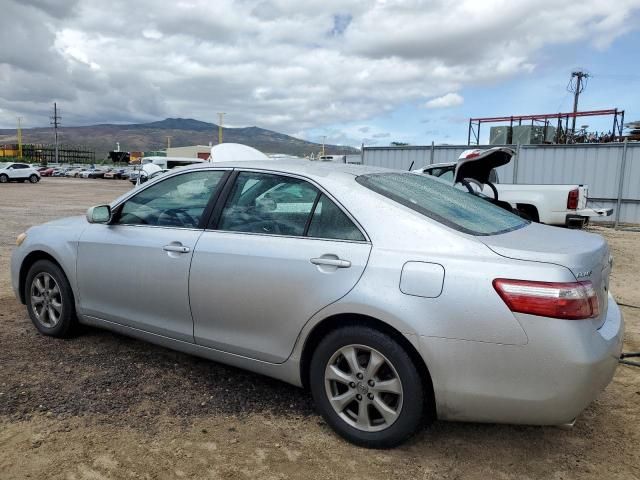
(308, 168)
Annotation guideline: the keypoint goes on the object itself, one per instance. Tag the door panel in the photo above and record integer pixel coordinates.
(251, 294)
(138, 276)
(136, 271)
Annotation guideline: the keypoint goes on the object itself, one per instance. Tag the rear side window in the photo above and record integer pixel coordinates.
(329, 221)
(437, 200)
(273, 204)
(270, 204)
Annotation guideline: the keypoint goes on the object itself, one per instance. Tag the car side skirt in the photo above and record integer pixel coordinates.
(288, 371)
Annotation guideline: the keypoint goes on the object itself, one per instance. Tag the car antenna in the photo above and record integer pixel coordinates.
(411, 166)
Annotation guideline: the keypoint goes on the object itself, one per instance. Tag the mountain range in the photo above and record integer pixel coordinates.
(153, 136)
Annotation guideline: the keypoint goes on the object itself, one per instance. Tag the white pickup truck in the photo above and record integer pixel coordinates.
(551, 204)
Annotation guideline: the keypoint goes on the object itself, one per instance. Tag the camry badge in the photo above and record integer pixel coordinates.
(583, 274)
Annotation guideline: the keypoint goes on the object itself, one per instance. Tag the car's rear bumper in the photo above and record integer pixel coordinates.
(579, 218)
(548, 381)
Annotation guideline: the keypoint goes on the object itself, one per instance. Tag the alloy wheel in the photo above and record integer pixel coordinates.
(46, 300)
(364, 388)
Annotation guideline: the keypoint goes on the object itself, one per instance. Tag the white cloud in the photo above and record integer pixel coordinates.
(445, 101)
(282, 64)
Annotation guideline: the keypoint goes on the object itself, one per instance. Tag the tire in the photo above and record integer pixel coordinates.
(4, 178)
(59, 319)
(331, 378)
(34, 178)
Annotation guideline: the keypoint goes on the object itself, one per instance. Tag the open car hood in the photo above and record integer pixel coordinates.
(477, 163)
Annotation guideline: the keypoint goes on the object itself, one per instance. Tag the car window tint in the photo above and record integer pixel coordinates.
(329, 221)
(436, 199)
(446, 175)
(269, 204)
(175, 202)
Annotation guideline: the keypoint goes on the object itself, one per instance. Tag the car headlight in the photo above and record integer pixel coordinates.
(21, 238)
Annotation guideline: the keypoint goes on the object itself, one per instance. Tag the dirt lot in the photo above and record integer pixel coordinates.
(103, 406)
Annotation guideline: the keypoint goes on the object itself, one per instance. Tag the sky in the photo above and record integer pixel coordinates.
(349, 71)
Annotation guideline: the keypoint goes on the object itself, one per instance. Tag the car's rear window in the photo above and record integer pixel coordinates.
(438, 200)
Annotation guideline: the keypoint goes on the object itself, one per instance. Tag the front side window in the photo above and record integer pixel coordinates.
(437, 200)
(280, 205)
(178, 201)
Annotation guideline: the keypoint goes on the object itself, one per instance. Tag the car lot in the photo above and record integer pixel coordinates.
(107, 406)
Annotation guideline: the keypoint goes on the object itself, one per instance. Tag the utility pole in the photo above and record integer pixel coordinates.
(168, 142)
(20, 138)
(55, 121)
(324, 138)
(577, 89)
(220, 121)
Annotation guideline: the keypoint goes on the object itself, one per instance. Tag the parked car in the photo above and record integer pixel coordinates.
(394, 297)
(564, 205)
(92, 173)
(18, 172)
(133, 176)
(47, 172)
(116, 173)
(74, 172)
(145, 176)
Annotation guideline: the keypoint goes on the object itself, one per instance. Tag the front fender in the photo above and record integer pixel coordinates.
(59, 243)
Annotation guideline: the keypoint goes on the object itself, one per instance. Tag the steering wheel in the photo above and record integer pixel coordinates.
(174, 216)
(467, 182)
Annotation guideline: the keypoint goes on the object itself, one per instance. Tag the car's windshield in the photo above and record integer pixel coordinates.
(445, 204)
(4, 164)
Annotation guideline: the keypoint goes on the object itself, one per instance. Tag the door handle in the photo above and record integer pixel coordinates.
(176, 248)
(333, 262)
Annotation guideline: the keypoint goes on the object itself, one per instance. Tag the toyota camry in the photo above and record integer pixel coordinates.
(393, 297)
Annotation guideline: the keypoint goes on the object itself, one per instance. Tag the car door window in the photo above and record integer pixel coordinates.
(330, 222)
(445, 173)
(269, 204)
(178, 201)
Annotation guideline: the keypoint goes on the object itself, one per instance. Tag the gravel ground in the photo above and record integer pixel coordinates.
(105, 406)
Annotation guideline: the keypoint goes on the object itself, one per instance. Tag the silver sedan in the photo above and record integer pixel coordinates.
(393, 297)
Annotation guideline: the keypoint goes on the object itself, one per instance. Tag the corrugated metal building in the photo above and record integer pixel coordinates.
(611, 170)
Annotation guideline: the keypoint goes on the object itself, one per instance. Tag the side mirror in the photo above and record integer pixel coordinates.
(99, 214)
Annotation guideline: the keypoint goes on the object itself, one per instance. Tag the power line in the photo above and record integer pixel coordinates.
(576, 87)
(20, 138)
(220, 121)
(55, 121)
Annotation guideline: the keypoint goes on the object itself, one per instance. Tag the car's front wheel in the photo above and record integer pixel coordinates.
(367, 387)
(34, 178)
(49, 300)
(4, 178)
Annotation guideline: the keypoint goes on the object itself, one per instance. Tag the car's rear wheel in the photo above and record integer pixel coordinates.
(34, 178)
(50, 300)
(367, 387)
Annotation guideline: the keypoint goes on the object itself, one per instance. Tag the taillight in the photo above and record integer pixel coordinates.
(569, 301)
(572, 199)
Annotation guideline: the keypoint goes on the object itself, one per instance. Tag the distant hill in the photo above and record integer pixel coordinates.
(183, 131)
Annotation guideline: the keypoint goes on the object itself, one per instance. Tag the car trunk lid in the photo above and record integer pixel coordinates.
(585, 254)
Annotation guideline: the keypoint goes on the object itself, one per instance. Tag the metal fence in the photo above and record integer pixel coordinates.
(611, 170)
